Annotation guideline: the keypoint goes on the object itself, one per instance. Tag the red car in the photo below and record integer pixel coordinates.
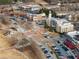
(69, 44)
(77, 57)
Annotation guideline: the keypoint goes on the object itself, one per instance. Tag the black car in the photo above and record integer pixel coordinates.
(65, 48)
(48, 56)
(71, 57)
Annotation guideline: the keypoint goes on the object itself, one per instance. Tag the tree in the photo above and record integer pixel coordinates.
(45, 25)
(46, 11)
(50, 29)
(15, 0)
(5, 1)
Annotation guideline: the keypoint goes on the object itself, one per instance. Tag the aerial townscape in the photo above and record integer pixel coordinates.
(39, 29)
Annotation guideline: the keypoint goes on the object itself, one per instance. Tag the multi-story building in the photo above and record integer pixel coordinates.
(60, 25)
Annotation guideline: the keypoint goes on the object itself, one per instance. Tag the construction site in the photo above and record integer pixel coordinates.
(15, 40)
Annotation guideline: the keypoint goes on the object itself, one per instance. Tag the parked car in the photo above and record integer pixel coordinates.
(65, 48)
(69, 44)
(70, 57)
(45, 51)
(77, 37)
(48, 55)
(74, 36)
(57, 50)
(53, 46)
(63, 57)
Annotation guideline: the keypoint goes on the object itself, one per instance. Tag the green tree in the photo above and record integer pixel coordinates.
(46, 11)
(45, 25)
(5, 1)
(50, 29)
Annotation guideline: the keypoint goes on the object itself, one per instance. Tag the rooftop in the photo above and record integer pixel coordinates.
(73, 33)
(61, 21)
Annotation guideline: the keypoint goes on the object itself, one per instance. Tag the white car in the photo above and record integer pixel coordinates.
(74, 36)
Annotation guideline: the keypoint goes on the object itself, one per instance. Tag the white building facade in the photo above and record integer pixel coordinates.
(61, 25)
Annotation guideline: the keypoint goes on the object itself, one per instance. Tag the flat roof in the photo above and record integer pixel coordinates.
(60, 21)
(73, 33)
